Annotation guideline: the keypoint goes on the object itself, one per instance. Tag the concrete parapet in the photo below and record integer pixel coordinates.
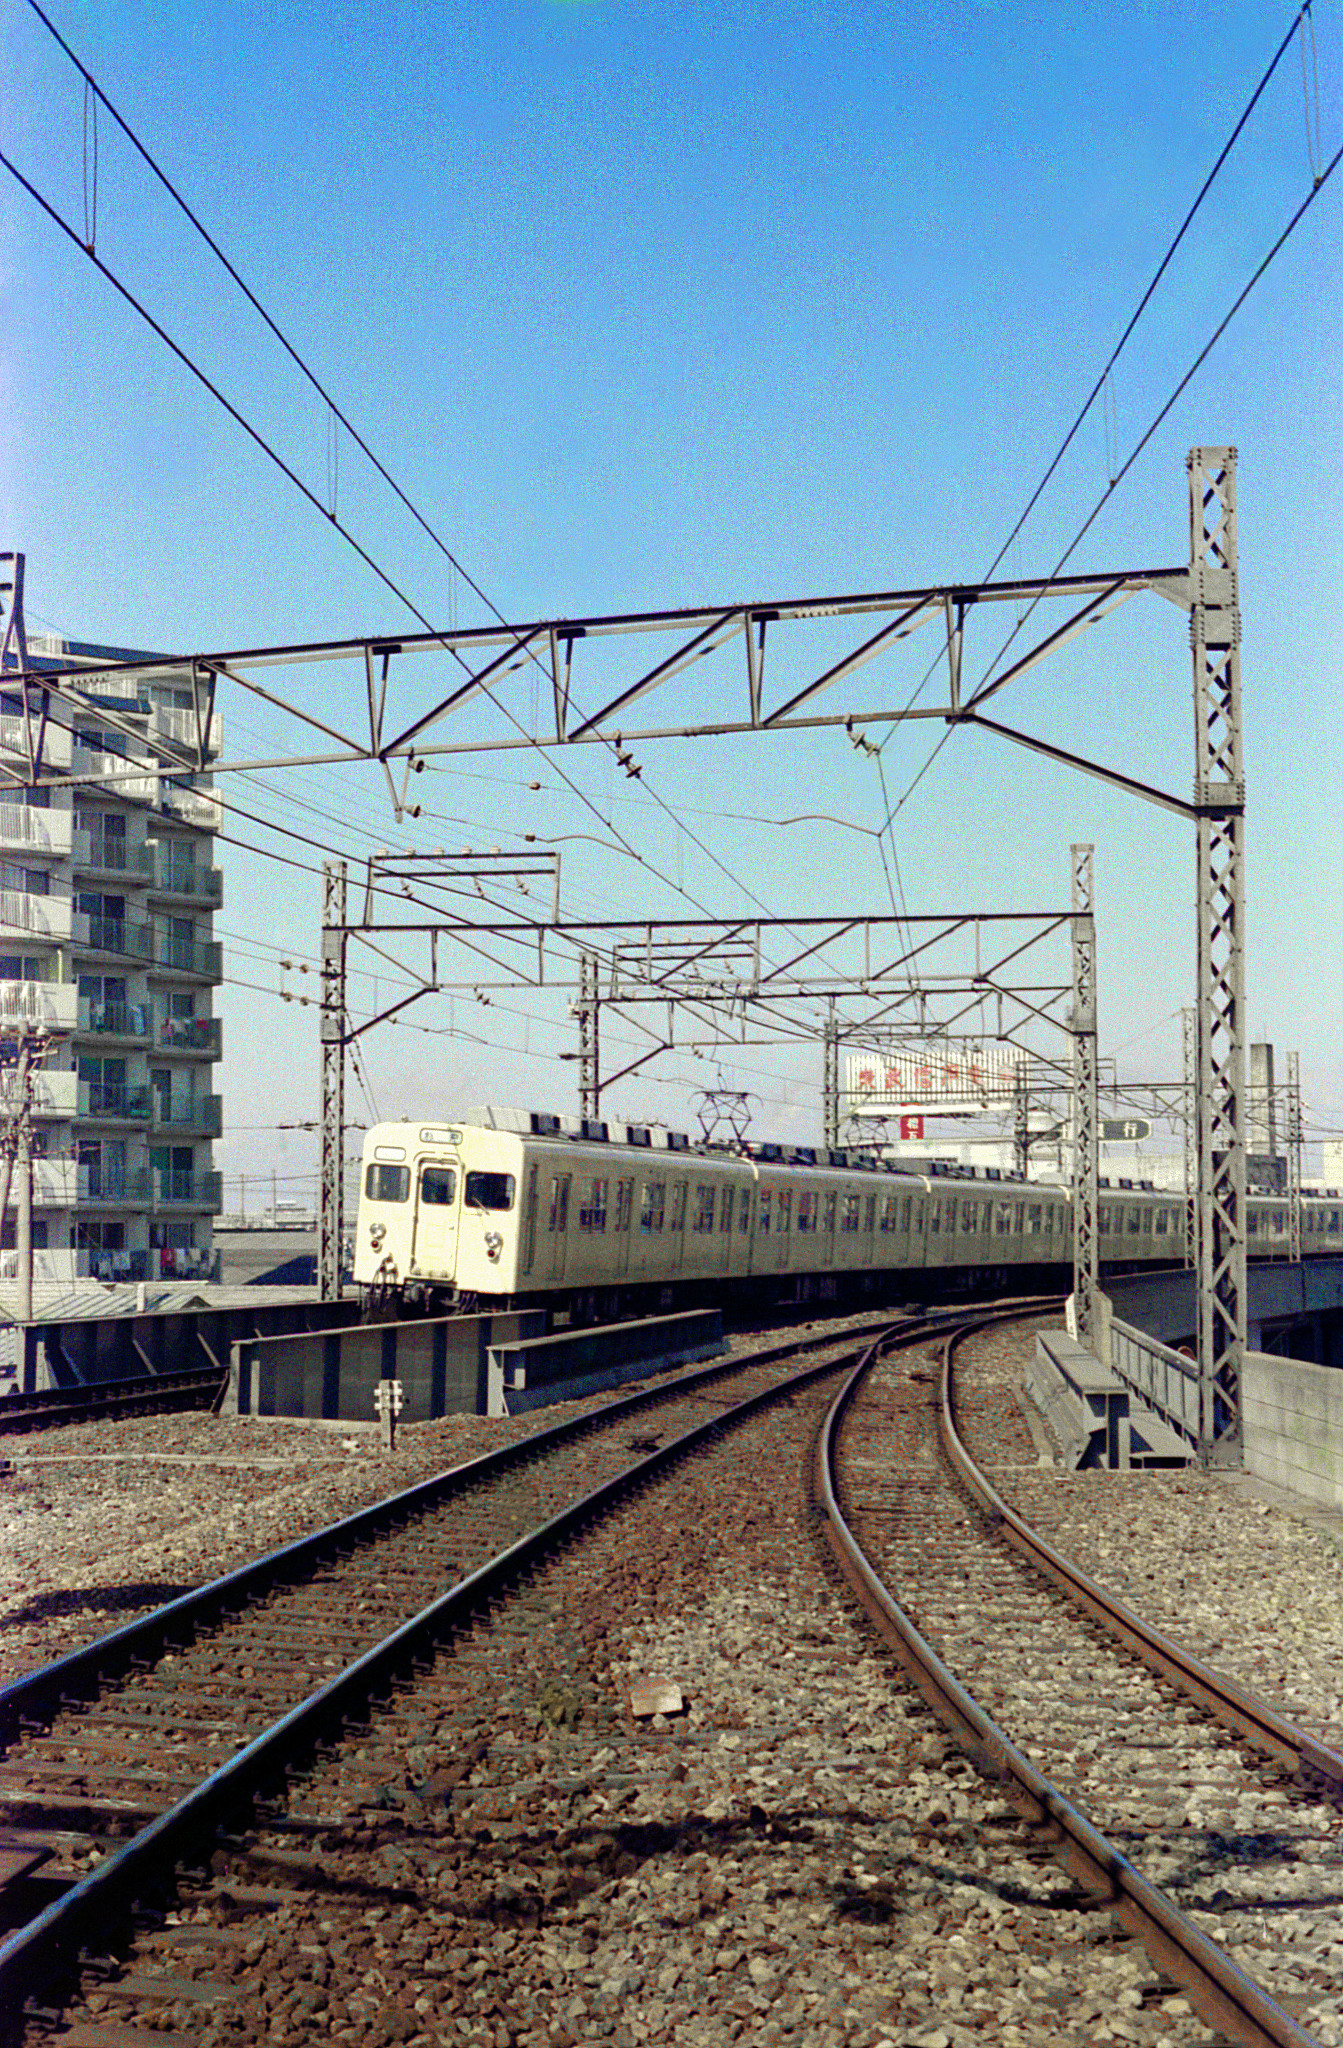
(1293, 1422)
(1093, 1413)
(332, 1375)
(532, 1372)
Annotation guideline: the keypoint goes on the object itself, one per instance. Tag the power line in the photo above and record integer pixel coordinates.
(893, 812)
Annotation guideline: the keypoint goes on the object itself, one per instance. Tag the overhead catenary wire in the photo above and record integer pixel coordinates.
(1113, 480)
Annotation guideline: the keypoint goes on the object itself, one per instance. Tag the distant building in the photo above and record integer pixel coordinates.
(107, 898)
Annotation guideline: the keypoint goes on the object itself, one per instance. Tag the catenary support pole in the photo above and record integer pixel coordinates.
(1189, 1023)
(830, 1083)
(331, 1221)
(587, 1010)
(1086, 1125)
(1219, 798)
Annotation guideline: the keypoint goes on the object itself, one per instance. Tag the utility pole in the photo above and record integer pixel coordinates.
(18, 1154)
(830, 1082)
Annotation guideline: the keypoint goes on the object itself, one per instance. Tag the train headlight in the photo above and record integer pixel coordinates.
(376, 1233)
(494, 1244)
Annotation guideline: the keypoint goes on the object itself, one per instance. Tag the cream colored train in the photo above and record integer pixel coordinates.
(512, 1207)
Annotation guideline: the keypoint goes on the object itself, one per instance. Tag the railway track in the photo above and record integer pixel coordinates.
(123, 1753)
(162, 1393)
(1155, 1776)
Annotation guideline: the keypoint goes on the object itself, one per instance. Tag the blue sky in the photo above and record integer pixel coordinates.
(649, 306)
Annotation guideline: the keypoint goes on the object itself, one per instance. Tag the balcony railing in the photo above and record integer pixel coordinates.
(54, 1094)
(198, 807)
(55, 1003)
(182, 730)
(177, 877)
(34, 831)
(189, 1190)
(115, 1101)
(55, 740)
(201, 1114)
(189, 1034)
(55, 1183)
(115, 1020)
(46, 917)
(188, 956)
(120, 774)
(61, 1267)
(119, 935)
(119, 1186)
(99, 853)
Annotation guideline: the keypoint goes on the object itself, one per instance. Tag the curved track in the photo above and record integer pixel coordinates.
(1094, 1721)
(168, 1728)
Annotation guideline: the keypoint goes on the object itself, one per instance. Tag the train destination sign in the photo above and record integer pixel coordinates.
(1115, 1129)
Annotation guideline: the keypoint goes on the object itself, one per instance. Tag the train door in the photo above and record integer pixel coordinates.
(435, 1247)
(558, 1226)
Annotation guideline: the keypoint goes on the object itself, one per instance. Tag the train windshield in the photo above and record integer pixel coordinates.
(490, 1190)
(387, 1183)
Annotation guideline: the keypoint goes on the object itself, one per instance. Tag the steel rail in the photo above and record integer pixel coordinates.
(196, 1387)
(48, 1946)
(42, 1692)
(1234, 1705)
(1222, 1993)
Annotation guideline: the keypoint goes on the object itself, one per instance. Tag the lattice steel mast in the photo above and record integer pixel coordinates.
(1219, 799)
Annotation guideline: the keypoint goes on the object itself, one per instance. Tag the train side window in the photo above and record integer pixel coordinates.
(559, 1202)
(1134, 1220)
(490, 1190)
(1002, 1219)
(1103, 1218)
(905, 1209)
(703, 1208)
(969, 1218)
(592, 1213)
(934, 1218)
(654, 1205)
(849, 1220)
(1033, 1214)
(785, 1222)
(725, 1211)
(918, 1219)
(870, 1214)
(624, 1203)
(806, 1212)
(888, 1212)
(1018, 1218)
(762, 1207)
(830, 1212)
(1280, 1222)
(678, 1205)
(387, 1184)
(1162, 1222)
(1049, 1219)
(1333, 1221)
(1253, 1223)
(744, 1212)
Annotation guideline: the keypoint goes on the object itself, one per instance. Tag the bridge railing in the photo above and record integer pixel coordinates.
(1165, 1378)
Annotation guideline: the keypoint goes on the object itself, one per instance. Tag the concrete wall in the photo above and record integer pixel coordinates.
(1293, 1417)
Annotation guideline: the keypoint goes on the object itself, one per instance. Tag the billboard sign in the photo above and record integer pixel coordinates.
(954, 1077)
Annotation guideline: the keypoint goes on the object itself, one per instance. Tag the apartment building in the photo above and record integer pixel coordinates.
(108, 891)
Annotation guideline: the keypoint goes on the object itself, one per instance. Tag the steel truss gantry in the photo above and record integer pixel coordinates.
(724, 976)
(856, 631)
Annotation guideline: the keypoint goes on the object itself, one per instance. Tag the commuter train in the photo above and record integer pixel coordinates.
(513, 1208)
